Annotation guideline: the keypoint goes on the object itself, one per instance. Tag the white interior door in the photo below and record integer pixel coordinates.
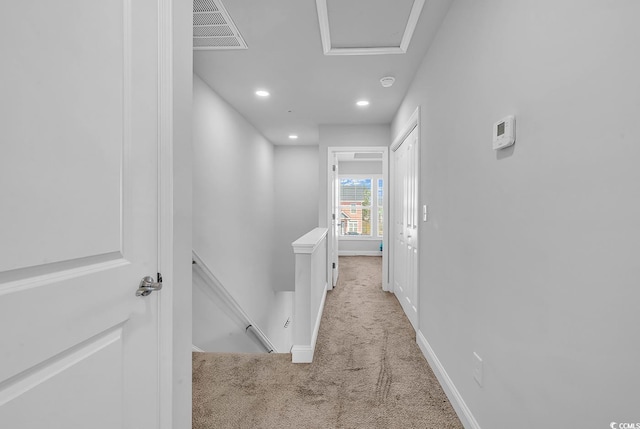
(78, 218)
(405, 226)
(335, 219)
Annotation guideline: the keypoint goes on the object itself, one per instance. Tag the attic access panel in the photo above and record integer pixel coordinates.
(367, 27)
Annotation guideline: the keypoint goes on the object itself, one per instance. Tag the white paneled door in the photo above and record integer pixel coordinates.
(405, 225)
(78, 214)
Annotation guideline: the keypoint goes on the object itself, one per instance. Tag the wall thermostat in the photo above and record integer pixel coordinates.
(504, 132)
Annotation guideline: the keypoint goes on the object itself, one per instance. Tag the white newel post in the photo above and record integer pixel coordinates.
(310, 292)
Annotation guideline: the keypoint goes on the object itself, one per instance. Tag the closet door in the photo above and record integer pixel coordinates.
(405, 225)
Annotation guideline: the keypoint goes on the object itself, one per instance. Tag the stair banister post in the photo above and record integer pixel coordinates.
(310, 292)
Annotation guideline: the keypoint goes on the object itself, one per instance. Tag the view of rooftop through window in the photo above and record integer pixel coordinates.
(358, 205)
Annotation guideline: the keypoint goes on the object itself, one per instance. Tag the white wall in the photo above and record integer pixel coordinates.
(296, 206)
(344, 136)
(351, 247)
(233, 202)
(530, 257)
(360, 167)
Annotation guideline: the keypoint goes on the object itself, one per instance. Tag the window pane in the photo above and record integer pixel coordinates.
(355, 206)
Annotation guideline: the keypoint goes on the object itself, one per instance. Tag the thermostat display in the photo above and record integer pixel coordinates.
(504, 132)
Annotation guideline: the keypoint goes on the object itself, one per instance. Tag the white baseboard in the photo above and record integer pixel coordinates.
(359, 253)
(196, 349)
(304, 353)
(461, 409)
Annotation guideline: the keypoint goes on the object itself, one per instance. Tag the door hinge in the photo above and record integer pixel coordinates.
(333, 265)
(333, 167)
(333, 216)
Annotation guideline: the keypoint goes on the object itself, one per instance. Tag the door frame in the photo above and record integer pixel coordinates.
(412, 123)
(331, 152)
(169, 408)
(165, 221)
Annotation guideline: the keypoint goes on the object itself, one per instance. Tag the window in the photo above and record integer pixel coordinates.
(361, 208)
(380, 207)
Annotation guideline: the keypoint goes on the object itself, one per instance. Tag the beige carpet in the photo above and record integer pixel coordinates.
(368, 372)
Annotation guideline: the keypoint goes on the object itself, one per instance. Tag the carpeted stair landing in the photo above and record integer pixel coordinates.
(368, 372)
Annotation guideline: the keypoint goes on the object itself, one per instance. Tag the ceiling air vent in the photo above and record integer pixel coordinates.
(213, 28)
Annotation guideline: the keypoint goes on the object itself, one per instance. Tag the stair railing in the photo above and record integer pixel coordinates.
(227, 299)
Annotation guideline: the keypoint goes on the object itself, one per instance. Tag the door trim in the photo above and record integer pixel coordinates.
(412, 123)
(165, 213)
(331, 151)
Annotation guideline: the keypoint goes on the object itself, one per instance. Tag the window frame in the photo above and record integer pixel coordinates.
(373, 207)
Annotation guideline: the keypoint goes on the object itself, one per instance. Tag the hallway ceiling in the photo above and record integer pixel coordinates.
(285, 56)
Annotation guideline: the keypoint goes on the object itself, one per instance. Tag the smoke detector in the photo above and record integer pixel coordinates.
(387, 81)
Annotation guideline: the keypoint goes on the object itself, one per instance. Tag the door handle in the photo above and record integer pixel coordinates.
(148, 285)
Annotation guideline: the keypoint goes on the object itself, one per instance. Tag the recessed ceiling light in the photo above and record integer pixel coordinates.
(362, 103)
(293, 136)
(262, 93)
